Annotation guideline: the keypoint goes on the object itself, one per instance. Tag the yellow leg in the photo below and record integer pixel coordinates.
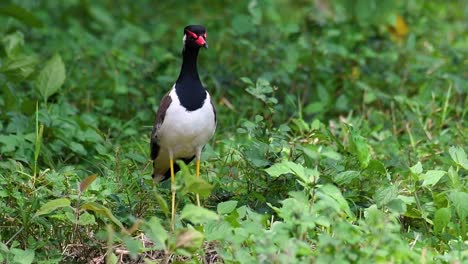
(198, 175)
(173, 190)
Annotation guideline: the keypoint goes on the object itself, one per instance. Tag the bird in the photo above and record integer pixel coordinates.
(186, 118)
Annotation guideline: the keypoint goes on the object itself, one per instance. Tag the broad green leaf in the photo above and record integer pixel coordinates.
(22, 256)
(132, 245)
(335, 193)
(189, 239)
(360, 148)
(51, 77)
(432, 177)
(226, 207)
(197, 215)
(156, 232)
(111, 258)
(385, 194)
(286, 167)
(84, 184)
(51, 206)
(459, 201)
(454, 177)
(103, 211)
(197, 185)
(21, 14)
(12, 43)
(459, 156)
(19, 68)
(278, 169)
(86, 219)
(347, 177)
(417, 169)
(162, 203)
(441, 219)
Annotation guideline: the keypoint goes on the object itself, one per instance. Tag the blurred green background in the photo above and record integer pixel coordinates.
(358, 93)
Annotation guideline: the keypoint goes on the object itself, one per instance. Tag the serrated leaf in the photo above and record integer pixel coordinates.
(22, 256)
(385, 194)
(226, 207)
(335, 193)
(459, 201)
(346, 177)
(19, 67)
(162, 203)
(432, 177)
(86, 219)
(198, 215)
(103, 211)
(51, 206)
(458, 155)
(441, 219)
(86, 182)
(51, 77)
(286, 167)
(417, 169)
(156, 232)
(360, 148)
(197, 185)
(132, 245)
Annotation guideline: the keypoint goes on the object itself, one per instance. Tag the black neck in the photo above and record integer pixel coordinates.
(189, 64)
(188, 87)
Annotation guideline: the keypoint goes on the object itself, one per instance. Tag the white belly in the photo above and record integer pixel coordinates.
(183, 132)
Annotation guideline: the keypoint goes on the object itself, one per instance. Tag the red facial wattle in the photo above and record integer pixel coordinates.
(200, 40)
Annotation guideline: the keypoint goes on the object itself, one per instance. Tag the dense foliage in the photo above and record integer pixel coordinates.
(341, 135)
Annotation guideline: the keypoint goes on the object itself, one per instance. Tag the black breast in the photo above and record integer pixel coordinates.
(191, 94)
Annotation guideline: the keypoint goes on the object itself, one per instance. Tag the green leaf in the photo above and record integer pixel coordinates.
(441, 219)
(459, 201)
(51, 77)
(459, 156)
(19, 67)
(198, 215)
(103, 211)
(156, 232)
(335, 193)
(22, 256)
(385, 194)
(21, 14)
(454, 178)
(279, 169)
(197, 185)
(417, 169)
(162, 203)
(286, 167)
(132, 245)
(347, 177)
(86, 219)
(12, 43)
(51, 206)
(226, 207)
(432, 177)
(360, 148)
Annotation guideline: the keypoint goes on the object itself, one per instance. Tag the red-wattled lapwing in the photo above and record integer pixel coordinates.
(186, 118)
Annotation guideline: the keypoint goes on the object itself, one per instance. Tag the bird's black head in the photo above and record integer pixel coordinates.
(195, 36)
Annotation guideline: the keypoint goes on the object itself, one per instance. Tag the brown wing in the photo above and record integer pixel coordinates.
(160, 115)
(214, 110)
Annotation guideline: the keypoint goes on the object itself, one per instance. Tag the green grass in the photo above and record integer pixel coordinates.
(341, 135)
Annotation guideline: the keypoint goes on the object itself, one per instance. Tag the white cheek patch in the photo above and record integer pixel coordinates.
(184, 38)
